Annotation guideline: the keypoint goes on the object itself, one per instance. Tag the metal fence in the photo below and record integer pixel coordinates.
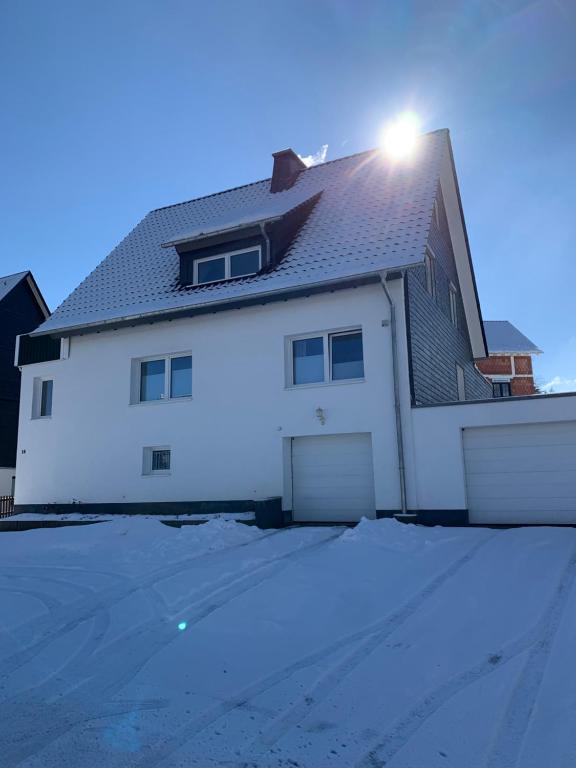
(6, 506)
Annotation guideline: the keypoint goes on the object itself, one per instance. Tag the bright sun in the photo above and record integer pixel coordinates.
(400, 136)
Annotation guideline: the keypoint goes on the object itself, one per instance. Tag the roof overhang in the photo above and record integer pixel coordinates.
(462, 256)
(275, 210)
(210, 307)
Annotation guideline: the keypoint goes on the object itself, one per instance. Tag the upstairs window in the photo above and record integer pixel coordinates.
(46, 397)
(453, 305)
(327, 357)
(42, 391)
(164, 378)
(460, 382)
(226, 266)
(430, 262)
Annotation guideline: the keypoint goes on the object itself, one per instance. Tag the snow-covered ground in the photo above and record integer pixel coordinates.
(133, 644)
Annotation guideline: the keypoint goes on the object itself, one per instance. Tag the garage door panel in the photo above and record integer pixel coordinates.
(531, 480)
(522, 435)
(332, 478)
(521, 473)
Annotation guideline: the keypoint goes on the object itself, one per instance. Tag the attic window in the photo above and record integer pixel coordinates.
(226, 266)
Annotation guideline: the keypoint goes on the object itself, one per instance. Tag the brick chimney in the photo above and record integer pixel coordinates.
(287, 166)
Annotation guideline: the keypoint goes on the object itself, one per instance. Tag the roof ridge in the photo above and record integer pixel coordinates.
(14, 274)
(260, 181)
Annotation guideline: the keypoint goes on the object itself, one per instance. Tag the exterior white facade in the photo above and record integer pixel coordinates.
(232, 439)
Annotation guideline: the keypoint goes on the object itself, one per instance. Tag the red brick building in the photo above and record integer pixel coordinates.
(509, 366)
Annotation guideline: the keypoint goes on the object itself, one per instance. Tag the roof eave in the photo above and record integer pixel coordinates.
(180, 312)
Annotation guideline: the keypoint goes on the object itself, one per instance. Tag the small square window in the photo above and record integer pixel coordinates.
(211, 270)
(308, 360)
(161, 461)
(46, 397)
(156, 461)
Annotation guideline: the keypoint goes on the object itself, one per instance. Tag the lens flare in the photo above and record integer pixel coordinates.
(400, 137)
(182, 626)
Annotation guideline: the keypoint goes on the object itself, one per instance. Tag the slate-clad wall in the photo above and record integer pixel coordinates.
(436, 345)
(19, 313)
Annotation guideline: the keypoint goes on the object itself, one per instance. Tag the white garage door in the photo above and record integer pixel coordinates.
(522, 473)
(332, 478)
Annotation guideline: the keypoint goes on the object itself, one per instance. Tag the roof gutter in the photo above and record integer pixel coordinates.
(225, 230)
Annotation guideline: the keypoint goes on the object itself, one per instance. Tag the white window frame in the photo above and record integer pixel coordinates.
(136, 379)
(147, 457)
(326, 337)
(430, 261)
(454, 305)
(37, 397)
(461, 382)
(227, 256)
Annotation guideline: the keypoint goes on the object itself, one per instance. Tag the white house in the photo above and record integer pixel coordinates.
(281, 340)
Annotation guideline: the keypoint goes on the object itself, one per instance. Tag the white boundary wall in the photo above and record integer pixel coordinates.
(6, 475)
(438, 448)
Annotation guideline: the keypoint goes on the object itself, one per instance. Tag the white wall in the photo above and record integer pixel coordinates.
(227, 442)
(6, 475)
(437, 441)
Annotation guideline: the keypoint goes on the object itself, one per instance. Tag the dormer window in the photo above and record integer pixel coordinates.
(226, 266)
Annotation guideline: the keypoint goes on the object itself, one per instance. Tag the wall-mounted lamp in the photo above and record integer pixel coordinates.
(320, 415)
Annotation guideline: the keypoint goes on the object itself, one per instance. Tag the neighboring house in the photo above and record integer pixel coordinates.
(266, 341)
(509, 365)
(22, 308)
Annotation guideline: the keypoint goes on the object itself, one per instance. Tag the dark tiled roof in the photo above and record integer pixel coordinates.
(8, 282)
(372, 215)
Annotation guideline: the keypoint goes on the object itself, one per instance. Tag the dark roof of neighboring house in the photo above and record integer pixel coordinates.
(9, 282)
(503, 337)
(371, 215)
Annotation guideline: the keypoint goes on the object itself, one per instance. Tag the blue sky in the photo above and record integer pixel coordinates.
(113, 108)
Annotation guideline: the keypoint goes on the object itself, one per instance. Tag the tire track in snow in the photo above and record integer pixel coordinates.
(208, 717)
(66, 619)
(538, 639)
(116, 664)
(373, 637)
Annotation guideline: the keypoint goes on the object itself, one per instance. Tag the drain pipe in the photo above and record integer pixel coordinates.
(397, 411)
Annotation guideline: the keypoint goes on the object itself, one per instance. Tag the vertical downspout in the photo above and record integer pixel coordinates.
(397, 411)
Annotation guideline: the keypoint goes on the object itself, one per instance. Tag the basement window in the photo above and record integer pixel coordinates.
(226, 266)
(326, 357)
(156, 460)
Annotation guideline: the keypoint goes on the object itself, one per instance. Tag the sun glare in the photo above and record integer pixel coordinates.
(400, 136)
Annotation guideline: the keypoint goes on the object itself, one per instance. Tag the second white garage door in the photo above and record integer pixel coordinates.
(521, 473)
(332, 478)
